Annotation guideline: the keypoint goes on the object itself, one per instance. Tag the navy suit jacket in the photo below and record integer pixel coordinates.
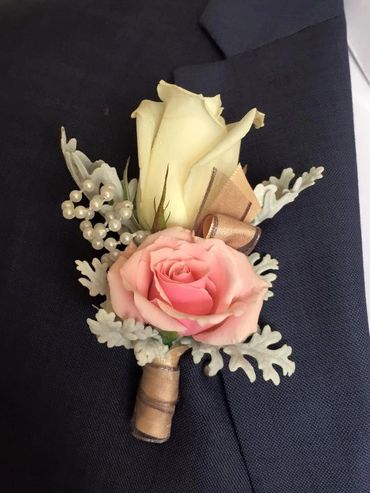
(86, 65)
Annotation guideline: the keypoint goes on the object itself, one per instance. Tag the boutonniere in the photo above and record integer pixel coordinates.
(176, 266)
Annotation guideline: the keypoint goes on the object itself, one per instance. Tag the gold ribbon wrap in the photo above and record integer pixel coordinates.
(227, 210)
(157, 397)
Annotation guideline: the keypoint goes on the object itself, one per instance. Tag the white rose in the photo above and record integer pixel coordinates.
(186, 133)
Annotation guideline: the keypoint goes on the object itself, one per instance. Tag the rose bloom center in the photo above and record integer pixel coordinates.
(184, 284)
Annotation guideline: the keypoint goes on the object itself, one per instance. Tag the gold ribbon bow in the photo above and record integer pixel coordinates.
(227, 211)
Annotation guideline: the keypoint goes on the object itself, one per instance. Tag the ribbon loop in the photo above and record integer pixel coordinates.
(228, 208)
(235, 233)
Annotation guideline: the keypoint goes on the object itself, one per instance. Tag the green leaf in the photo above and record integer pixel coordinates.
(126, 193)
(160, 220)
(168, 338)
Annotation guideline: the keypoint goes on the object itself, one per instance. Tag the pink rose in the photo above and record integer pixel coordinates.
(197, 287)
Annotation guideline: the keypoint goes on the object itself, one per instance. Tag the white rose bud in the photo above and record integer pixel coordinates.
(186, 133)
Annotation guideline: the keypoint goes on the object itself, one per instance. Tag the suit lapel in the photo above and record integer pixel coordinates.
(307, 435)
(237, 26)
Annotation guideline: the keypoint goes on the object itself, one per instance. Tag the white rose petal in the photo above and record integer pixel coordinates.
(186, 133)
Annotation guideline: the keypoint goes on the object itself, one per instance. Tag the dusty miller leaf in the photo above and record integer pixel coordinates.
(116, 332)
(198, 350)
(147, 349)
(262, 265)
(81, 168)
(137, 331)
(258, 348)
(132, 189)
(109, 330)
(129, 193)
(95, 279)
(275, 193)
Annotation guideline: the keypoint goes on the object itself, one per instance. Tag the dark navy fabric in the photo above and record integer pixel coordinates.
(241, 25)
(312, 433)
(86, 65)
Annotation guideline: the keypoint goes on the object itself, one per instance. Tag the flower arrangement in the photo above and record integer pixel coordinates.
(177, 269)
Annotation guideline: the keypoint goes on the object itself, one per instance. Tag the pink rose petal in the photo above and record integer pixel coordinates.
(121, 299)
(188, 298)
(153, 315)
(178, 282)
(235, 329)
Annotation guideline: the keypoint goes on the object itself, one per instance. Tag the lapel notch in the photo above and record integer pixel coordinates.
(237, 26)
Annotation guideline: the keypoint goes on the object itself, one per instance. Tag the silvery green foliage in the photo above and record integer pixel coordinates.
(144, 340)
(262, 266)
(95, 279)
(148, 349)
(116, 332)
(132, 189)
(199, 349)
(101, 173)
(275, 193)
(81, 168)
(109, 330)
(258, 348)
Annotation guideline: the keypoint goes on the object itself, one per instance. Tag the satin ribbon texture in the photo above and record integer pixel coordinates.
(227, 211)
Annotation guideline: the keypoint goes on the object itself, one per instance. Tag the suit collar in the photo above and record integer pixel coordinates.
(241, 25)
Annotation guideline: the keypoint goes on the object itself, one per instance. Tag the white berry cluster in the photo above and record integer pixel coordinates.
(115, 214)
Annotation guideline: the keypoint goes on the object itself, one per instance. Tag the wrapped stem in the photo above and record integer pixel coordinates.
(157, 397)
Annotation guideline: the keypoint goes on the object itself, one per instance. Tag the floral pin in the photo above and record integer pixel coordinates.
(178, 272)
